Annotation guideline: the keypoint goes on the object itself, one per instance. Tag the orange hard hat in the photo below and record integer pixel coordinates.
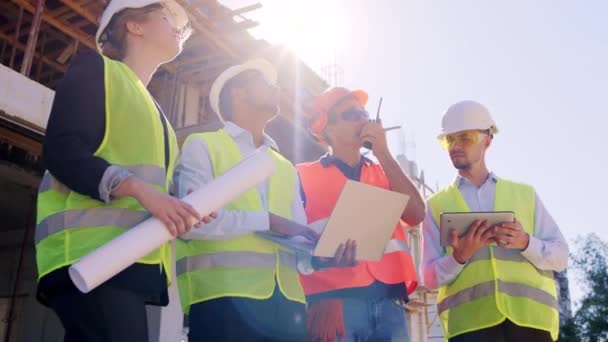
(316, 119)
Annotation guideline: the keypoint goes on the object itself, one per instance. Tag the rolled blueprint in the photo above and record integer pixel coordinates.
(110, 259)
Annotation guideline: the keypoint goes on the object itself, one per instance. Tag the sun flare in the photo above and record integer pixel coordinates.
(313, 29)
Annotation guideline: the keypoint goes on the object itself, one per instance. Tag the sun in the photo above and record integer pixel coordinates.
(313, 29)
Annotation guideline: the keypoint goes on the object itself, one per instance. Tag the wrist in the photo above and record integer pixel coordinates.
(318, 263)
(460, 258)
(130, 186)
(384, 156)
(526, 242)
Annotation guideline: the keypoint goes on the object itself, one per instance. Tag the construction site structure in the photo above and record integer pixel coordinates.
(332, 72)
(38, 39)
(421, 310)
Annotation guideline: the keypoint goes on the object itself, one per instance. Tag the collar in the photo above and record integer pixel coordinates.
(237, 132)
(328, 159)
(459, 181)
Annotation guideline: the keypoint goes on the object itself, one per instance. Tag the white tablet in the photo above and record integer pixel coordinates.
(462, 221)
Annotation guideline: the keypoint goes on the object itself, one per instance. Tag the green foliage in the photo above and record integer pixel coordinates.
(590, 323)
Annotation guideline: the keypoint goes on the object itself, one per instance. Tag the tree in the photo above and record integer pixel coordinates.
(590, 322)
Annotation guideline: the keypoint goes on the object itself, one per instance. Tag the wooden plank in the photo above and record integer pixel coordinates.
(16, 38)
(46, 60)
(241, 26)
(59, 11)
(54, 34)
(197, 4)
(42, 52)
(21, 141)
(30, 48)
(81, 10)
(240, 11)
(207, 33)
(61, 26)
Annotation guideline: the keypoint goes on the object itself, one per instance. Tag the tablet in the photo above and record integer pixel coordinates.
(462, 221)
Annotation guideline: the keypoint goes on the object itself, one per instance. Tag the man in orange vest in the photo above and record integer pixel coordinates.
(363, 302)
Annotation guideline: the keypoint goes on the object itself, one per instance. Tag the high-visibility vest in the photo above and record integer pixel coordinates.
(70, 225)
(245, 266)
(322, 186)
(497, 283)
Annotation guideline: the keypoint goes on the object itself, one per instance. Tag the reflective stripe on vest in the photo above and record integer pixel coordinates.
(396, 245)
(96, 217)
(234, 259)
(497, 283)
(488, 288)
(88, 218)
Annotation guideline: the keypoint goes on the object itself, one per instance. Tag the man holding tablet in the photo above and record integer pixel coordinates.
(495, 281)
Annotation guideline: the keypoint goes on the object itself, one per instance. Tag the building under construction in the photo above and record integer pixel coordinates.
(39, 38)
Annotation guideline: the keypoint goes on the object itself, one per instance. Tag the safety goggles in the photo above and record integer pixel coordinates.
(464, 139)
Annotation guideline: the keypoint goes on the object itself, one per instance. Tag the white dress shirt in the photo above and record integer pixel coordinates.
(194, 170)
(547, 250)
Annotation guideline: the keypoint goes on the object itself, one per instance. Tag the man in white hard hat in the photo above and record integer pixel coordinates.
(495, 282)
(234, 284)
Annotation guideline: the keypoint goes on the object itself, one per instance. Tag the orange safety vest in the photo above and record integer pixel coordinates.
(322, 186)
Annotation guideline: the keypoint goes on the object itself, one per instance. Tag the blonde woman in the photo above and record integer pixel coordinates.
(110, 154)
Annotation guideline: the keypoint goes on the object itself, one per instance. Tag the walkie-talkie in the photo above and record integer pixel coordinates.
(367, 144)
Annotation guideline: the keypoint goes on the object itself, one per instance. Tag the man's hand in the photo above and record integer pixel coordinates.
(477, 237)
(346, 256)
(177, 216)
(283, 226)
(374, 133)
(206, 219)
(511, 235)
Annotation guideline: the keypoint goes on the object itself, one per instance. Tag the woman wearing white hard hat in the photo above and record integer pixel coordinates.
(110, 154)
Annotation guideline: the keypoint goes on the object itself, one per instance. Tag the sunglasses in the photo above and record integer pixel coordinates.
(354, 115)
(465, 139)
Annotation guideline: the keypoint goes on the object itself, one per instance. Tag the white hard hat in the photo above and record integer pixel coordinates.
(179, 14)
(261, 65)
(466, 115)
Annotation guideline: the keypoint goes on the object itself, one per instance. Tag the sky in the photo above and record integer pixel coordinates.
(540, 67)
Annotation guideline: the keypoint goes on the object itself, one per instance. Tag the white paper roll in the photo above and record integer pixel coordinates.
(110, 259)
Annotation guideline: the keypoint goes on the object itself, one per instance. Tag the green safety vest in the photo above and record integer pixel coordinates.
(245, 266)
(497, 283)
(70, 225)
